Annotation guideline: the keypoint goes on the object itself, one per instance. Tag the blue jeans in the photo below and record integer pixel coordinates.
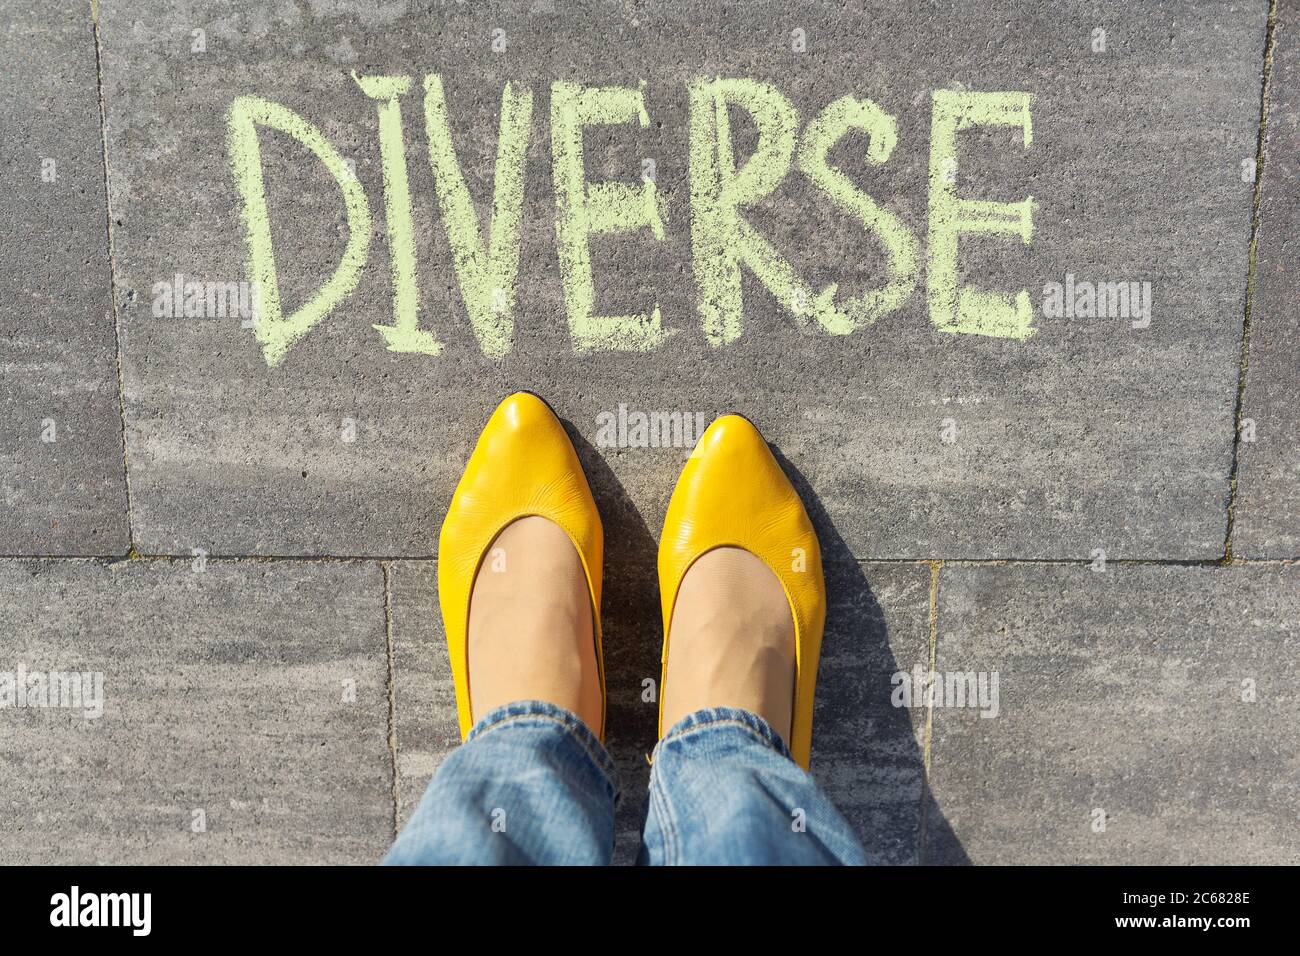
(533, 785)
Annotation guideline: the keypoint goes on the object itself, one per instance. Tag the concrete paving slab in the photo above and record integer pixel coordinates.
(424, 696)
(62, 480)
(1089, 433)
(244, 713)
(866, 753)
(1146, 715)
(1267, 512)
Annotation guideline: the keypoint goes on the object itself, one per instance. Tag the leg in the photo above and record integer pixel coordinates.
(724, 791)
(723, 787)
(530, 785)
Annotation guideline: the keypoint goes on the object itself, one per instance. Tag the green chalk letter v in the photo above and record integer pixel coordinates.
(486, 270)
(276, 331)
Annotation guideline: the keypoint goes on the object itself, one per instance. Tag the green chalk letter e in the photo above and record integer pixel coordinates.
(969, 309)
(584, 209)
(274, 330)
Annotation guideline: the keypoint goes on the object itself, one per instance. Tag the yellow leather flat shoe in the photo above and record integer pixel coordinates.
(523, 465)
(732, 493)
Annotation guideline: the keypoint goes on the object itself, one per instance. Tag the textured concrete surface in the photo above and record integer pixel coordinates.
(1088, 434)
(62, 482)
(1092, 439)
(867, 754)
(252, 693)
(1159, 702)
(1267, 513)
(424, 698)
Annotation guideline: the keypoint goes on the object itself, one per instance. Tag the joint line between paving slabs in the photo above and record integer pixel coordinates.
(112, 271)
(1256, 202)
(929, 709)
(392, 687)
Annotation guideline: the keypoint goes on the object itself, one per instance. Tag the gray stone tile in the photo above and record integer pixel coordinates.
(424, 696)
(223, 692)
(866, 753)
(1267, 512)
(1121, 693)
(1088, 434)
(62, 481)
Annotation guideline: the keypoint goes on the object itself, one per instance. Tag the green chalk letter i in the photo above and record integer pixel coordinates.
(404, 335)
(969, 309)
(584, 209)
(274, 330)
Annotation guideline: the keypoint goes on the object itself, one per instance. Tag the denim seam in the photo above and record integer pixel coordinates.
(667, 826)
(673, 830)
(751, 730)
(606, 771)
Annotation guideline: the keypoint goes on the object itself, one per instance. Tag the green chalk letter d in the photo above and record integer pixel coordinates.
(274, 330)
(404, 335)
(969, 309)
(486, 271)
(584, 209)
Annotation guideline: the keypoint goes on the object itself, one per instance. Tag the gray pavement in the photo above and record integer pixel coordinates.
(62, 482)
(1095, 506)
(230, 731)
(1267, 513)
(1089, 434)
(1144, 715)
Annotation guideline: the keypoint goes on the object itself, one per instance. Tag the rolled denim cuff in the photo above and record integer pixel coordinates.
(727, 719)
(541, 713)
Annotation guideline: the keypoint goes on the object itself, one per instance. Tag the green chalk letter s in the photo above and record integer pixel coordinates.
(584, 209)
(969, 309)
(274, 330)
(832, 124)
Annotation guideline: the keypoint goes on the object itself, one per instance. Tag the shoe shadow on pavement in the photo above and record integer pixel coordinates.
(865, 754)
(632, 639)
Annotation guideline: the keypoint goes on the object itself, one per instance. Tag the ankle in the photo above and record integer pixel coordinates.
(731, 641)
(531, 628)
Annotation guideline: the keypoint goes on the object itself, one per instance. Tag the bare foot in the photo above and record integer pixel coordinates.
(530, 624)
(731, 641)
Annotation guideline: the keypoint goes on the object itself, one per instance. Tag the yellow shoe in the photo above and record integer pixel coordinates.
(732, 493)
(523, 465)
